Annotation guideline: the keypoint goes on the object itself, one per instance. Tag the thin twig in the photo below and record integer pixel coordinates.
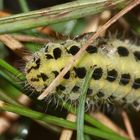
(128, 126)
(58, 79)
(27, 38)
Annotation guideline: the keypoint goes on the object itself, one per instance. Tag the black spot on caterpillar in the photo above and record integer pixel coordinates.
(67, 75)
(80, 72)
(100, 94)
(60, 87)
(36, 66)
(43, 76)
(112, 75)
(122, 51)
(92, 49)
(97, 73)
(125, 78)
(75, 89)
(73, 49)
(48, 56)
(57, 53)
(116, 70)
(137, 55)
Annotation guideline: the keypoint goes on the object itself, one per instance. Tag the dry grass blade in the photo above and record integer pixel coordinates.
(109, 123)
(58, 79)
(14, 45)
(67, 133)
(27, 38)
(128, 126)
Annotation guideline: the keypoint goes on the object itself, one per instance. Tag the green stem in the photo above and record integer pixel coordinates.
(24, 5)
(81, 106)
(59, 121)
(98, 124)
(10, 80)
(11, 69)
(7, 99)
(55, 14)
(1, 4)
(89, 119)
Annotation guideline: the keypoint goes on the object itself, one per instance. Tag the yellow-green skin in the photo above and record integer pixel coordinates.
(107, 58)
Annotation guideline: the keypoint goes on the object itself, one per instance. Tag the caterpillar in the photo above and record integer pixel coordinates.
(115, 63)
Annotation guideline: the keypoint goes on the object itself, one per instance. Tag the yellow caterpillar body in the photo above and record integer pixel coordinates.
(116, 70)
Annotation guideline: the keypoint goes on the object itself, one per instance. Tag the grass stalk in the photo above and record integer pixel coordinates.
(11, 70)
(81, 106)
(24, 5)
(55, 14)
(89, 119)
(55, 120)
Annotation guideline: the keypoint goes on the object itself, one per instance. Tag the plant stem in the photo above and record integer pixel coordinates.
(81, 106)
(89, 119)
(6, 98)
(59, 121)
(1, 4)
(11, 69)
(55, 14)
(24, 5)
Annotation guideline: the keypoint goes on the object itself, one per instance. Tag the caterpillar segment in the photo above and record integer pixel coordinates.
(116, 70)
